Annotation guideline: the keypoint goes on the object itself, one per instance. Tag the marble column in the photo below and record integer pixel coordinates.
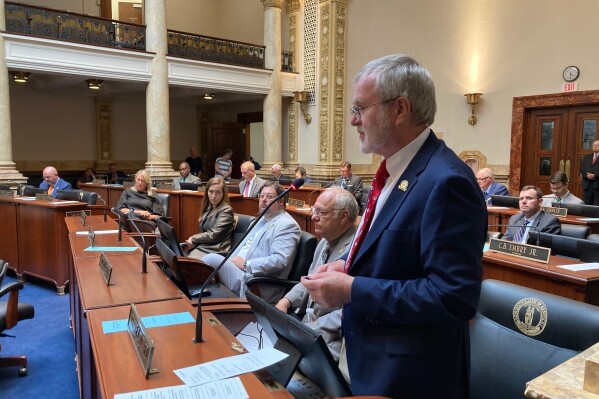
(8, 171)
(157, 96)
(273, 103)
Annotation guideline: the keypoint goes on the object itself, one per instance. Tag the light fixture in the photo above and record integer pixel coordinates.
(301, 97)
(20, 77)
(473, 99)
(208, 96)
(94, 84)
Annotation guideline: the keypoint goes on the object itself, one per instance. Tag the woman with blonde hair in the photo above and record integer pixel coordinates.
(216, 221)
(141, 199)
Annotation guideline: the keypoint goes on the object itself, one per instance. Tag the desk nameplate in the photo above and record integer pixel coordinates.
(164, 185)
(143, 344)
(77, 213)
(557, 212)
(105, 268)
(43, 197)
(312, 185)
(526, 251)
(297, 203)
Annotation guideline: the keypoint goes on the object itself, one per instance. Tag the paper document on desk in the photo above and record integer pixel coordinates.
(229, 366)
(580, 267)
(85, 233)
(225, 389)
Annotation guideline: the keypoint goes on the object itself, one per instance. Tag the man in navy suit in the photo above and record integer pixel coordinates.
(487, 183)
(589, 171)
(414, 282)
(53, 183)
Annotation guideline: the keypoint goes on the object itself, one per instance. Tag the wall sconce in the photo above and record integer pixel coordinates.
(473, 99)
(301, 97)
(208, 96)
(94, 84)
(20, 77)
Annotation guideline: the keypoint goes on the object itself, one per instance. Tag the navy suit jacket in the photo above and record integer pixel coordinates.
(60, 185)
(418, 275)
(495, 189)
(586, 166)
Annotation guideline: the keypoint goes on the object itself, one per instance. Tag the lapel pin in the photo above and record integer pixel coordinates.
(403, 186)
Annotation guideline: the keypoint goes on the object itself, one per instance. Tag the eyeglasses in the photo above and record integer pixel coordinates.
(556, 188)
(482, 178)
(319, 212)
(355, 110)
(267, 196)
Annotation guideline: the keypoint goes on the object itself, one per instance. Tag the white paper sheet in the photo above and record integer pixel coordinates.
(250, 336)
(225, 389)
(581, 266)
(229, 366)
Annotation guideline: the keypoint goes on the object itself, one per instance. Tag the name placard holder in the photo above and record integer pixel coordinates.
(105, 268)
(557, 212)
(201, 189)
(526, 251)
(98, 181)
(78, 213)
(91, 236)
(43, 197)
(7, 193)
(295, 202)
(128, 184)
(143, 344)
(83, 217)
(312, 185)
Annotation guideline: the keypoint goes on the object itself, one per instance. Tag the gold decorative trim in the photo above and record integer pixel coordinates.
(292, 6)
(104, 128)
(475, 159)
(272, 3)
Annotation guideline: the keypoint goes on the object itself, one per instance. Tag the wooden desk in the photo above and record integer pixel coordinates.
(502, 215)
(581, 286)
(302, 216)
(115, 357)
(564, 381)
(34, 239)
(307, 194)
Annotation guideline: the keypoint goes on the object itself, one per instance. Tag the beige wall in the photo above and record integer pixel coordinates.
(88, 7)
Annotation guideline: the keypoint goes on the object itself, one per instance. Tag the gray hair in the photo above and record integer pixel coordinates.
(399, 75)
(344, 200)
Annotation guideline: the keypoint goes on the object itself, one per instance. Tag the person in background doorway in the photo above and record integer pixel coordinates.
(194, 162)
(223, 166)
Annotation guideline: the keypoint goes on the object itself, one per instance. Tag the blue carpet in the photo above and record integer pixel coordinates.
(47, 341)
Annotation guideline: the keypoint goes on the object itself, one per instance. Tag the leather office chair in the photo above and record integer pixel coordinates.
(575, 230)
(505, 200)
(187, 273)
(89, 197)
(242, 222)
(30, 191)
(11, 312)
(165, 199)
(169, 236)
(593, 237)
(301, 266)
(560, 245)
(364, 199)
(503, 357)
(4, 187)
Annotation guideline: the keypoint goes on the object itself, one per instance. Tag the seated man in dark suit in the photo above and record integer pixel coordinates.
(114, 174)
(531, 217)
(490, 187)
(349, 181)
(53, 183)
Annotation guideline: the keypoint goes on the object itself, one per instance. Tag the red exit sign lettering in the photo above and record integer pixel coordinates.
(570, 86)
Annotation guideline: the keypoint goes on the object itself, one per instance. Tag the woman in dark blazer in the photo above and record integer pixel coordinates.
(216, 221)
(141, 199)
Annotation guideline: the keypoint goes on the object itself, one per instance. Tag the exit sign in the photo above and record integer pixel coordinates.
(570, 86)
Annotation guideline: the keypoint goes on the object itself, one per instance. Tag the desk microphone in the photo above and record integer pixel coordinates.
(535, 228)
(102, 199)
(119, 216)
(297, 183)
(144, 266)
(329, 184)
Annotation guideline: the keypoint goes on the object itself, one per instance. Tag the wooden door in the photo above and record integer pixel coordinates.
(220, 137)
(557, 139)
(131, 13)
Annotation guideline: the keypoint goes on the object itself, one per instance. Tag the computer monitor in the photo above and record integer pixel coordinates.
(72, 195)
(30, 191)
(190, 186)
(304, 346)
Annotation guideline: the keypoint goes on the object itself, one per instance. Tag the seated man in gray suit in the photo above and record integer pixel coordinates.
(251, 184)
(558, 184)
(186, 176)
(333, 217)
(268, 250)
(531, 217)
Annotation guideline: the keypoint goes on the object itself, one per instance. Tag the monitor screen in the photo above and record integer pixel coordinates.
(190, 186)
(303, 345)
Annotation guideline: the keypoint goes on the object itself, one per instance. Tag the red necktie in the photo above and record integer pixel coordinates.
(377, 185)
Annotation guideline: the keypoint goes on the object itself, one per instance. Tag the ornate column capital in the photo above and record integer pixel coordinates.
(272, 3)
(292, 6)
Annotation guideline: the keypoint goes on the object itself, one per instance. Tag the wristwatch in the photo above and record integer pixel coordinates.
(246, 264)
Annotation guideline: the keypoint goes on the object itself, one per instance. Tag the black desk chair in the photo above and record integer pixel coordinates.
(505, 200)
(4, 187)
(507, 351)
(242, 222)
(575, 230)
(301, 266)
(11, 312)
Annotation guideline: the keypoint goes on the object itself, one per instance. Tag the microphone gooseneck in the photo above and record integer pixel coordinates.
(119, 216)
(102, 199)
(297, 183)
(144, 265)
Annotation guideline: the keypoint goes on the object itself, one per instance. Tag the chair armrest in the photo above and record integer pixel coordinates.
(12, 307)
(287, 284)
(16, 285)
(195, 271)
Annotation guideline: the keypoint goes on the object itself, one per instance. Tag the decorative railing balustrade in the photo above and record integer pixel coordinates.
(63, 25)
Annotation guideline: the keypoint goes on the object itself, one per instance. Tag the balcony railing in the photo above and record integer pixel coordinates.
(212, 49)
(62, 25)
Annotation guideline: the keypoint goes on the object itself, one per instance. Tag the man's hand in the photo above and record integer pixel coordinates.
(238, 261)
(590, 176)
(331, 289)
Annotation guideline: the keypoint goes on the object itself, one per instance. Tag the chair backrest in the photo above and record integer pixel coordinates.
(573, 209)
(559, 244)
(165, 199)
(303, 256)
(593, 237)
(30, 191)
(590, 211)
(3, 269)
(233, 189)
(242, 222)
(169, 236)
(575, 230)
(519, 333)
(70, 195)
(505, 200)
(364, 199)
(588, 250)
(89, 197)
